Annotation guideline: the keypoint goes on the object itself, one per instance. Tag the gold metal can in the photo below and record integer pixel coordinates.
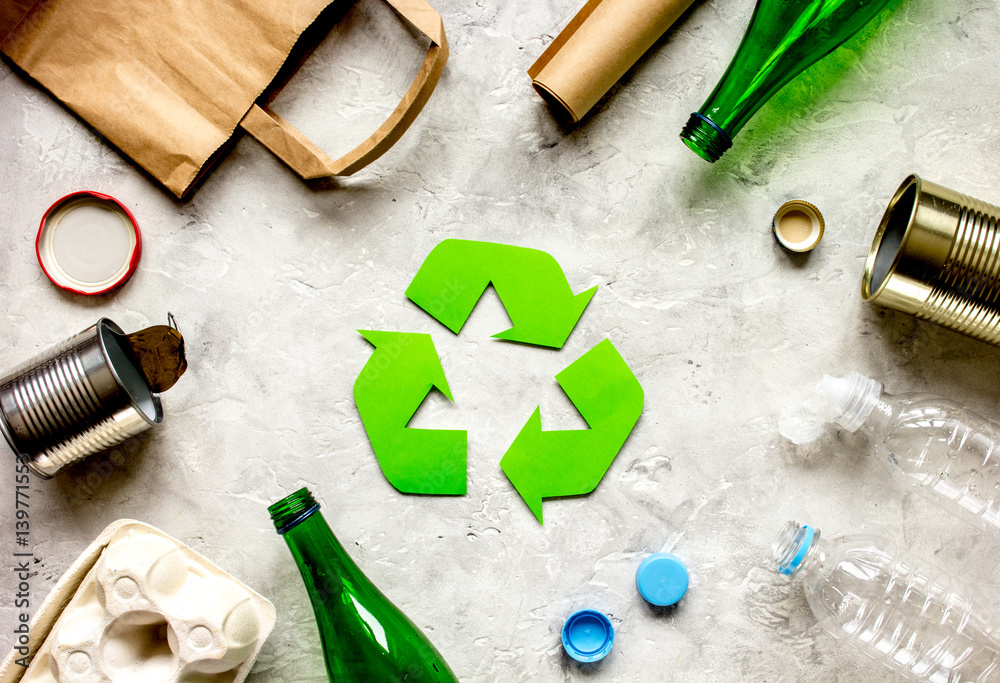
(936, 255)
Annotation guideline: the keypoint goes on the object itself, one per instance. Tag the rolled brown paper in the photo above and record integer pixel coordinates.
(597, 47)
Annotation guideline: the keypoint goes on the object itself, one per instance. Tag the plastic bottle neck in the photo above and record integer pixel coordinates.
(880, 415)
(795, 547)
(852, 399)
(848, 401)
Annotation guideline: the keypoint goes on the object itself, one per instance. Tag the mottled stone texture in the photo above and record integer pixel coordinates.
(269, 278)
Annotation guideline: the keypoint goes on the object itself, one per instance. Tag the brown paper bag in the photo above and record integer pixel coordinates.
(169, 82)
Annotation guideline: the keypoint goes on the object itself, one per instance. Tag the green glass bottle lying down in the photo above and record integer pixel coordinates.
(783, 39)
(365, 637)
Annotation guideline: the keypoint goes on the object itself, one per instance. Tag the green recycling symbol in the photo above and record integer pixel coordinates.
(405, 367)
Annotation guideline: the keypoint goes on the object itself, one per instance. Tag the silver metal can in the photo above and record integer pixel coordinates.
(81, 397)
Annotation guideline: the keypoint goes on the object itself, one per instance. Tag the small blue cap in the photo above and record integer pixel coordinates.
(662, 579)
(588, 636)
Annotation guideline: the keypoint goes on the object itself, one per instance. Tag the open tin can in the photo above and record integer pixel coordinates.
(936, 255)
(76, 399)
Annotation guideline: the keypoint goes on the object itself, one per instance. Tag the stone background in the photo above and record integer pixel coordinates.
(270, 277)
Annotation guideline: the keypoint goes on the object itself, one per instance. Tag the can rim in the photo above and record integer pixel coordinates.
(136, 251)
(911, 181)
(107, 325)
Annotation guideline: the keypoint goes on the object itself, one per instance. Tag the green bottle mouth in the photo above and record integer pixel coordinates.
(705, 137)
(292, 510)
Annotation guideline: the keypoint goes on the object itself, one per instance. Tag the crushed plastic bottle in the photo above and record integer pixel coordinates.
(893, 607)
(942, 449)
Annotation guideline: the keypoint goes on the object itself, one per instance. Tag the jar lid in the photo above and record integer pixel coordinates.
(587, 636)
(88, 243)
(662, 579)
(798, 226)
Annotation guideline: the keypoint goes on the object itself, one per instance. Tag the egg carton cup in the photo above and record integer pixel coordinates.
(141, 607)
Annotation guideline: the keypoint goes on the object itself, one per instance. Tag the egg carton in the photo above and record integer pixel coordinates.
(141, 607)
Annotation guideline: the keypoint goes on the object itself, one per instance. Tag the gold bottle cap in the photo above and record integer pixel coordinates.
(798, 225)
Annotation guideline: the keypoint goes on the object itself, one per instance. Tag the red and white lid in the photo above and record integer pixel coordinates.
(88, 243)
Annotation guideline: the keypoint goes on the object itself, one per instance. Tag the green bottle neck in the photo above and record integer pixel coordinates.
(784, 38)
(705, 138)
(292, 510)
(320, 557)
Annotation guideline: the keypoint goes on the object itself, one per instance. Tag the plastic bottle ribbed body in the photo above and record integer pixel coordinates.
(901, 611)
(945, 451)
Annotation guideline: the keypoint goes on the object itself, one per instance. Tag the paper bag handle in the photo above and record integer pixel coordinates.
(309, 161)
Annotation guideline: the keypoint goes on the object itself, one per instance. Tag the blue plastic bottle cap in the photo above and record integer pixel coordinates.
(588, 636)
(662, 579)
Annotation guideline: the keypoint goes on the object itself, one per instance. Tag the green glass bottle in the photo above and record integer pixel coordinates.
(365, 637)
(783, 39)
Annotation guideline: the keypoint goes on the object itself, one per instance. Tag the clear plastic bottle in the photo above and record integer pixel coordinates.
(948, 453)
(895, 608)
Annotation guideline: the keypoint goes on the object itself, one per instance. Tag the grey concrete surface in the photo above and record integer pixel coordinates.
(270, 277)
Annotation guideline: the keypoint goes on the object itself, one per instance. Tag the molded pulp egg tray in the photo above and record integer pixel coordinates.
(141, 607)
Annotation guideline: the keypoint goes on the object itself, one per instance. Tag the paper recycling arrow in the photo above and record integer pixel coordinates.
(529, 282)
(571, 462)
(394, 382)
